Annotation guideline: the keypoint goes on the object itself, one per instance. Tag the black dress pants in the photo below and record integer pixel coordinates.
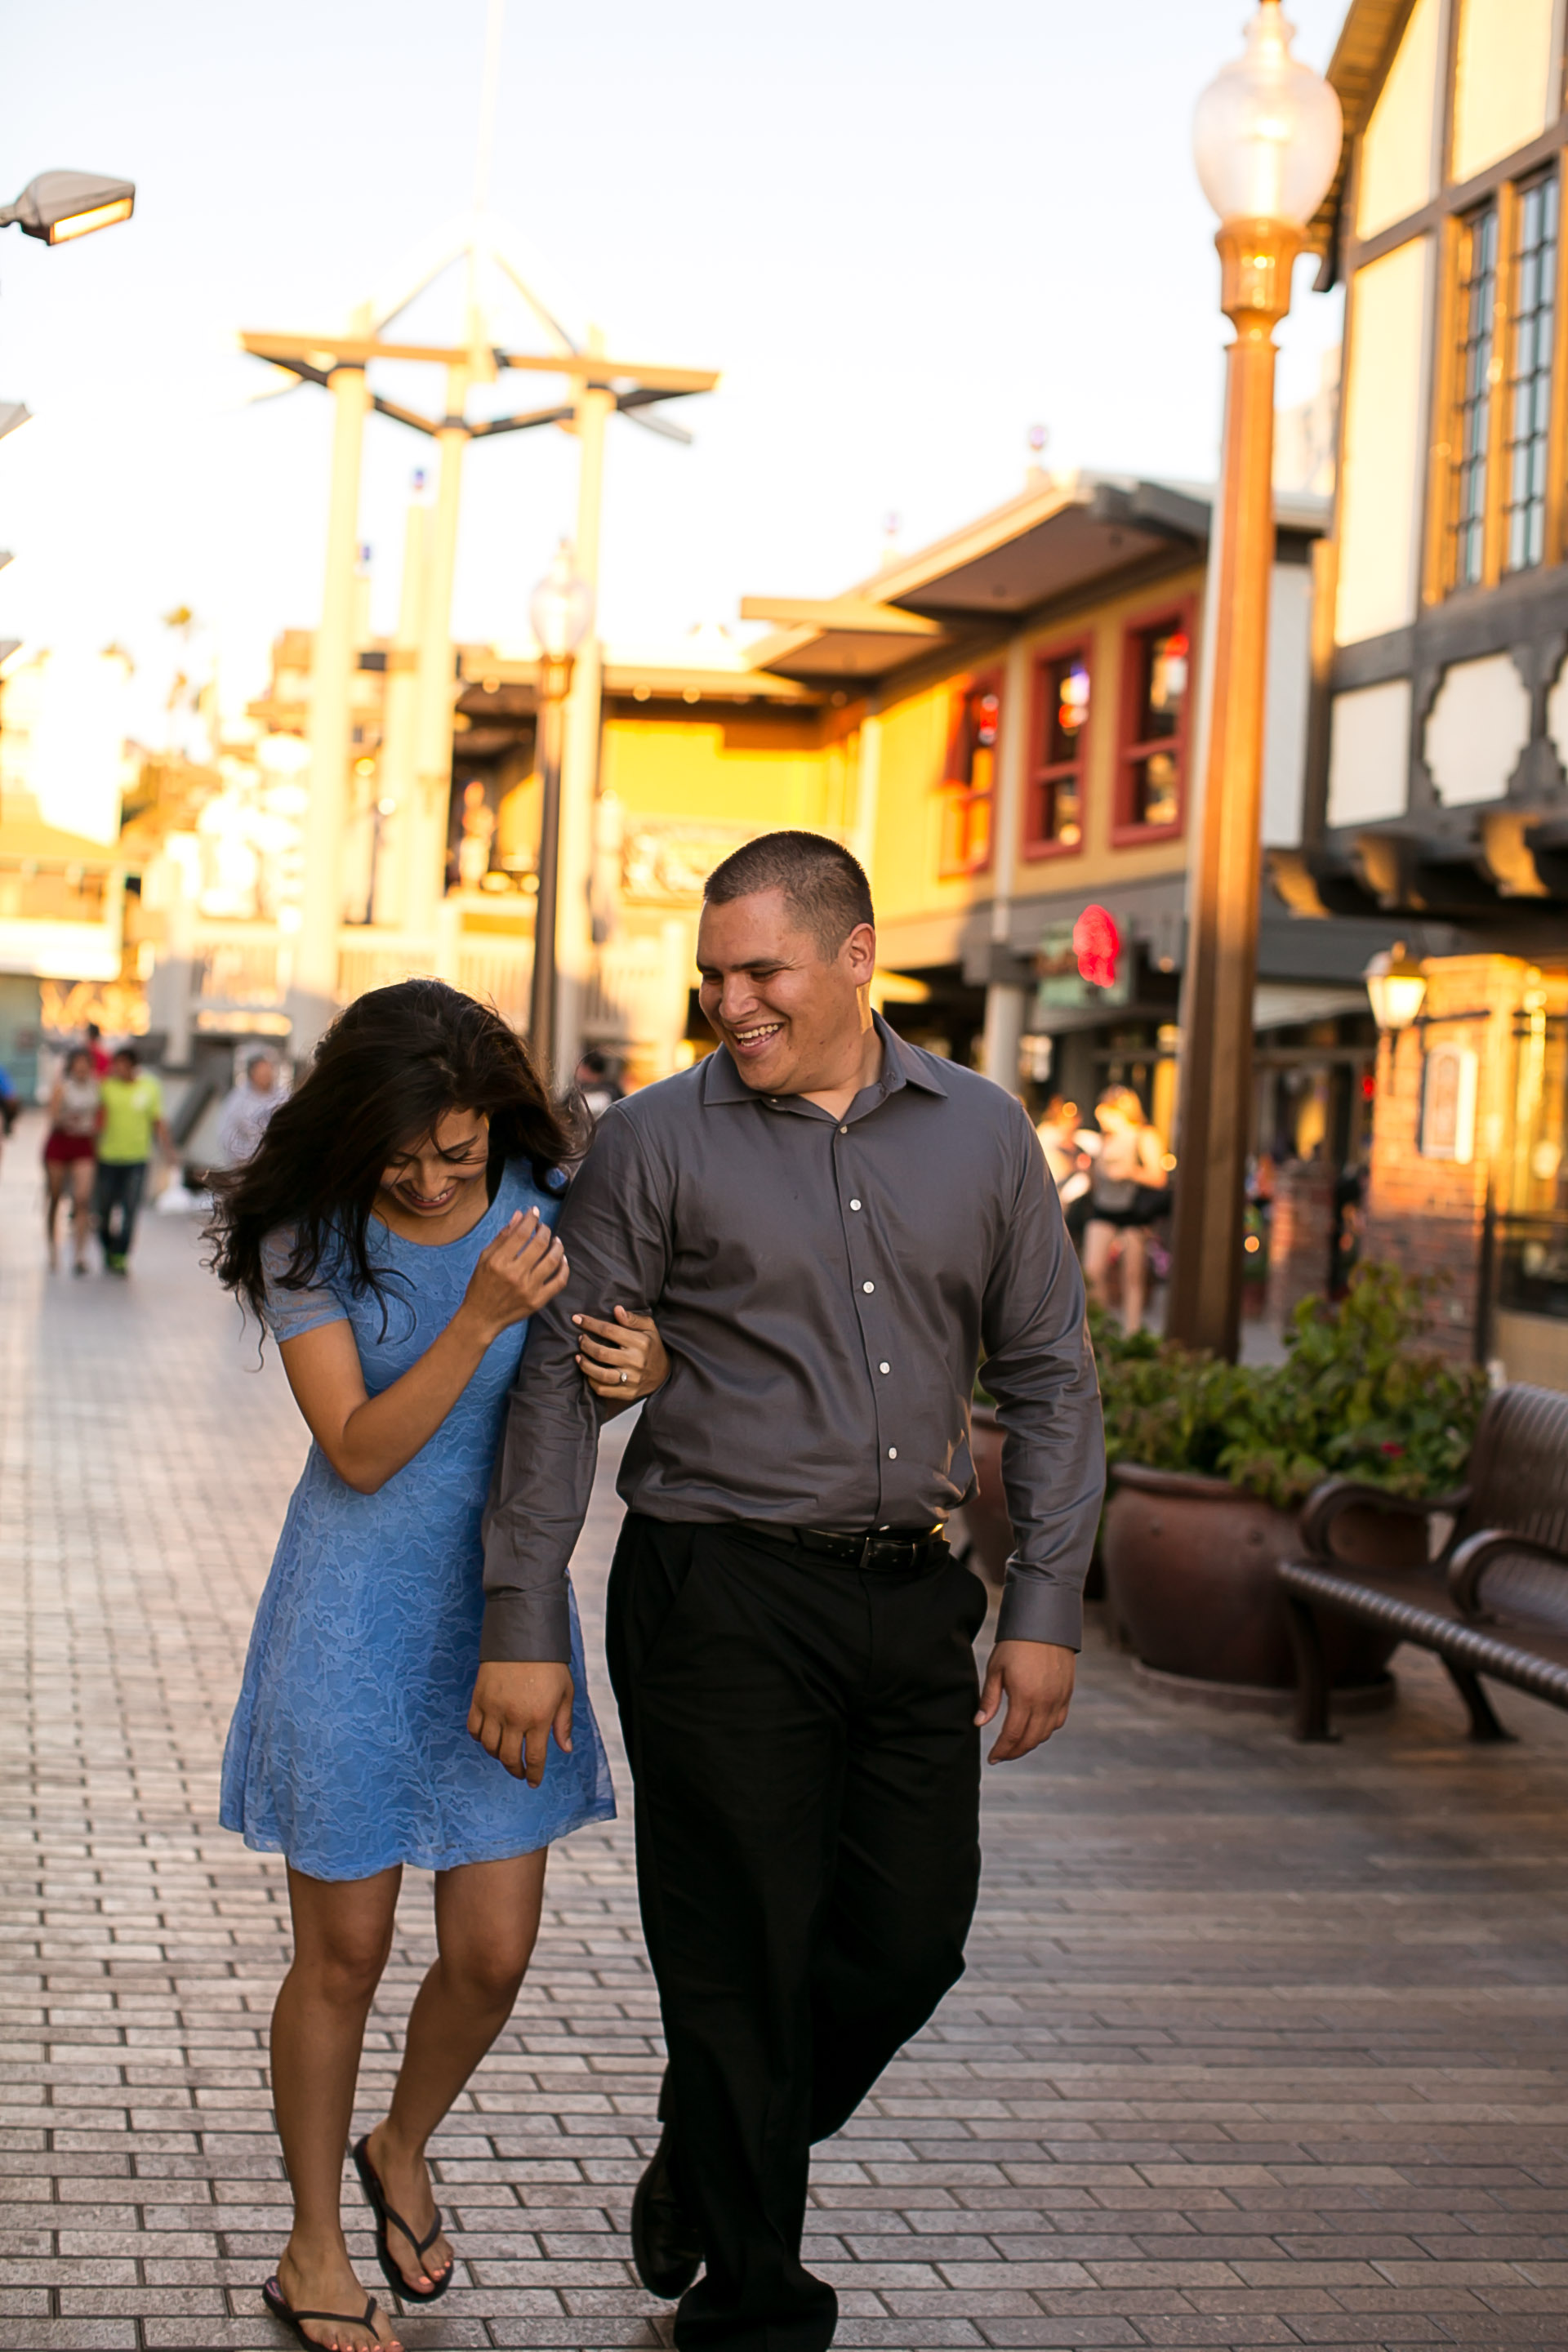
(808, 1772)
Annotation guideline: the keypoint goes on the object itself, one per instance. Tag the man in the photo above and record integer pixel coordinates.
(828, 1225)
(242, 1122)
(132, 1117)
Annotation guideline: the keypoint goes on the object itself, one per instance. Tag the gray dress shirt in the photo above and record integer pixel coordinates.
(825, 1287)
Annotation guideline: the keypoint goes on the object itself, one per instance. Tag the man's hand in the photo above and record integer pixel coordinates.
(516, 1708)
(1036, 1677)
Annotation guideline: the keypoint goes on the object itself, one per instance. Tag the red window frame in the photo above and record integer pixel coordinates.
(1128, 829)
(964, 845)
(1045, 775)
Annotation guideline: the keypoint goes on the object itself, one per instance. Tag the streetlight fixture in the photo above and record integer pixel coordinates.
(561, 609)
(60, 205)
(1396, 985)
(1266, 138)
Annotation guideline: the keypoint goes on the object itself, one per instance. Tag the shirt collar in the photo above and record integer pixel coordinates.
(902, 1066)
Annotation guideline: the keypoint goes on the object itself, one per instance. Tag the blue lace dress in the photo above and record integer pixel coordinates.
(349, 1750)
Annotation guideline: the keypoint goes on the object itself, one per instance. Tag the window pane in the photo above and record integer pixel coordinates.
(1154, 781)
(1472, 416)
(1164, 685)
(1530, 371)
(1064, 812)
(1067, 709)
(978, 741)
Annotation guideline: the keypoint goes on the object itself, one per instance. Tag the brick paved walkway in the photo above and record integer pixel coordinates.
(1258, 2046)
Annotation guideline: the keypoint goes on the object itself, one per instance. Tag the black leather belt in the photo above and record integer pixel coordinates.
(886, 1549)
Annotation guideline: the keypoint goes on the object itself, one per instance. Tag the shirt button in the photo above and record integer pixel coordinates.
(844, 1130)
(854, 1204)
(892, 1453)
(884, 1367)
(868, 1286)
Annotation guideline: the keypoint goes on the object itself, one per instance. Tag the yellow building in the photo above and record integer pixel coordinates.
(1438, 793)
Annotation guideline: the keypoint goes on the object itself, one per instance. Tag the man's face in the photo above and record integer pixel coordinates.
(789, 1016)
(122, 1067)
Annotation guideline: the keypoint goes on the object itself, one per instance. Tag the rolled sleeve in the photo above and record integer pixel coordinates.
(613, 1231)
(1040, 1368)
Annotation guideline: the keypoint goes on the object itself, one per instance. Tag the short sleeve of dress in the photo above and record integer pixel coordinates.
(288, 1314)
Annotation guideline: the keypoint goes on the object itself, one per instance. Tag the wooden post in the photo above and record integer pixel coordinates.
(596, 403)
(433, 731)
(312, 998)
(1257, 258)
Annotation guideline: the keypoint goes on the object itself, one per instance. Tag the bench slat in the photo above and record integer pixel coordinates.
(1542, 1670)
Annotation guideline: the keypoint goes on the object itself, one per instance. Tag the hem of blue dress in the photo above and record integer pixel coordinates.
(602, 1810)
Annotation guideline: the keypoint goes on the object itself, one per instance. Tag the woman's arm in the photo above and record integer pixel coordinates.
(368, 1439)
(1150, 1165)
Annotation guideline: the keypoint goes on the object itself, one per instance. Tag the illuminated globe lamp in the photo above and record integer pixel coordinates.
(1396, 985)
(1265, 138)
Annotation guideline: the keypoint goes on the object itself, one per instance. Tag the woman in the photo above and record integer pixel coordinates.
(393, 1233)
(71, 1148)
(1128, 1167)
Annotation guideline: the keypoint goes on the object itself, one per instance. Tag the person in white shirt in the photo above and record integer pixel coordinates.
(247, 1110)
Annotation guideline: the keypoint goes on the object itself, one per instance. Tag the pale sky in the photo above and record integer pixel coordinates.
(905, 233)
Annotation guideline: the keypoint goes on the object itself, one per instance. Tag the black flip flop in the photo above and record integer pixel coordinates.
(277, 2303)
(384, 2219)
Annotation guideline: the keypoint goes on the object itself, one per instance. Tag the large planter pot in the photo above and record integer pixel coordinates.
(1190, 1575)
(985, 1513)
(985, 1520)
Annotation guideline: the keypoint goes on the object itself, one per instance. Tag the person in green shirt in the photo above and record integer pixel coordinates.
(133, 1120)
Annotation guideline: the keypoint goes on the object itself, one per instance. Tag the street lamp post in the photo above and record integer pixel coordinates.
(60, 205)
(560, 609)
(1267, 140)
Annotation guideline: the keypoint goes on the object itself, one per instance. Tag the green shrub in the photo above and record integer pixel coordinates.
(1356, 1397)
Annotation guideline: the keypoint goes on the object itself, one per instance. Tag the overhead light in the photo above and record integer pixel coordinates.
(59, 206)
(1267, 130)
(1398, 986)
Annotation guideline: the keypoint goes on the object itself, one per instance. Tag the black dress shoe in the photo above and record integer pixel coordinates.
(666, 2247)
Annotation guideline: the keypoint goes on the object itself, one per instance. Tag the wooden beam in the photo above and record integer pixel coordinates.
(342, 350)
(860, 614)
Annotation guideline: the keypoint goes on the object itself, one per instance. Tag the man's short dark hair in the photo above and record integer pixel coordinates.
(823, 885)
(126, 1053)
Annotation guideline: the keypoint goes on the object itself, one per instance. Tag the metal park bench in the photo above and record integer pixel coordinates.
(1494, 1601)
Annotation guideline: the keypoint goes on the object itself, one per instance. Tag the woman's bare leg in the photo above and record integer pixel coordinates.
(486, 1918)
(55, 1177)
(342, 1934)
(81, 1175)
(1097, 1242)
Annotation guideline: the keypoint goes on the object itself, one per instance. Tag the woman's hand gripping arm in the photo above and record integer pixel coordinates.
(622, 1361)
(368, 1439)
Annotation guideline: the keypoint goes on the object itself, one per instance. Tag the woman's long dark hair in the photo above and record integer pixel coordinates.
(385, 1073)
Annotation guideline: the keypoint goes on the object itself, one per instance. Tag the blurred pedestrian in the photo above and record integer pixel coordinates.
(393, 1233)
(132, 1122)
(598, 1082)
(1127, 1192)
(1069, 1163)
(70, 1153)
(10, 1104)
(246, 1108)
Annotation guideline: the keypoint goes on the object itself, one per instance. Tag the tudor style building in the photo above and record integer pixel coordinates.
(1438, 784)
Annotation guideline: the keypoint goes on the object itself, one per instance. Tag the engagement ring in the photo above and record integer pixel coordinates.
(625, 1378)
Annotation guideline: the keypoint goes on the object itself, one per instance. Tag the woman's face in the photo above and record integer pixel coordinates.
(431, 1176)
(1113, 1119)
(80, 1064)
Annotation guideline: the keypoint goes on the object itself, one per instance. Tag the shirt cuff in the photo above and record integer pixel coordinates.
(1035, 1609)
(527, 1628)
